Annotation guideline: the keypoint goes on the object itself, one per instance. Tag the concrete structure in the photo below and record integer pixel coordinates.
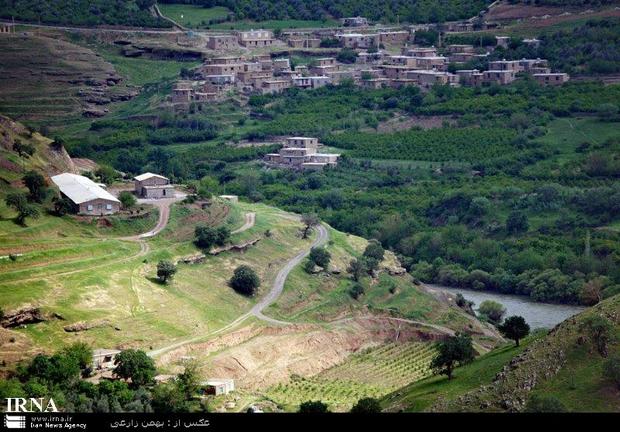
(311, 82)
(88, 197)
(393, 37)
(505, 65)
(354, 21)
(501, 77)
(7, 28)
(532, 43)
(274, 86)
(301, 153)
(256, 38)
(357, 40)
(428, 78)
(222, 42)
(551, 78)
(502, 41)
(304, 42)
(218, 386)
(420, 51)
(149, 185)
(103, 359)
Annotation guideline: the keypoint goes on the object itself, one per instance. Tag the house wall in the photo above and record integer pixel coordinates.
(99, 207)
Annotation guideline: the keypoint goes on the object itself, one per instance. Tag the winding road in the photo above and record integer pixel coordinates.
(264, 303)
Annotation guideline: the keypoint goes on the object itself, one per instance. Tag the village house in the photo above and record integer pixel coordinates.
(472, 77)
(256, 38)
(357, 40)
(222, 42)
(7, 28)
(375, 83)
(439, 63)
(393, 37)
(505, 65)
(307, 42)
(311, 82)
(354, 21)
(301, 153)
(428, 78)
(532, 43)
(218, 386)
(395, 71)
(103, 359)
(281, 64)
(274, 86)
(551, 78)
(149, 185)
(502, 41)
(501, 77)
(420, 51)
(87, 197)
(459, 48)
(402, 60)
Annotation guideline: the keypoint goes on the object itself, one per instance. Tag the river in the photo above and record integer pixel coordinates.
(537, 315)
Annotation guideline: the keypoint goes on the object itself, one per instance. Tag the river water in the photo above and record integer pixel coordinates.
(537, 315)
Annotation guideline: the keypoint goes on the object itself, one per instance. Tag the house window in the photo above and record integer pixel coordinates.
(108, 206)
(89, 207)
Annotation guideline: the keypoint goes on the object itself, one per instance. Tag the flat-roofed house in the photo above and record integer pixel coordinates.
(218, 386)
(274, 86)
(221, 42)
(103, 359)
(551, 78)
(311, 82)
(357, 40)
(256, 38)
(301, 153)
(471, 77)
(393, 37)
(87, 197)
(506, 65)
(149, 185)
(501, 77)
(420, 51)
(428, 78)
(357, 21)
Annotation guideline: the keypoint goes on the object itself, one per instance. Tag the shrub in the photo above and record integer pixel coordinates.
(165, 270)
(544, 404)
(245, 280)
(127, 199)
(312, 407)
(611, 369)
(491, 310)
(366, 405)
(320, 257)
(356, 291)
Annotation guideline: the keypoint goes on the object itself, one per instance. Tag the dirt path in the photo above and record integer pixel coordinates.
(257, 310)
(250, 220)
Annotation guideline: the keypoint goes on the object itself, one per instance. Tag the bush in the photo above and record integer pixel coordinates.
(312, 407)
(320, 257)
(366, 405)
(374, 250)
(356, 291)
(245, 280)
(207, 237)
(135, 365)
(165, 270)
(492, 311)
(544, 404)
(611, 369)
(127, 199)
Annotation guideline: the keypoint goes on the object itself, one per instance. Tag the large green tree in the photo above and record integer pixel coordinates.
(515, 328)
(453, 351)
(135, 365)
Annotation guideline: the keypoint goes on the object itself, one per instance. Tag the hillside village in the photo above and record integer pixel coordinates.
(373, 64)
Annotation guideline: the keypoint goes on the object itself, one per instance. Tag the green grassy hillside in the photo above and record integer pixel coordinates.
(563, 365)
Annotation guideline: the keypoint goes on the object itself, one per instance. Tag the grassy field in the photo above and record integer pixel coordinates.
(421, 395)
(193, 16)
(274, 24)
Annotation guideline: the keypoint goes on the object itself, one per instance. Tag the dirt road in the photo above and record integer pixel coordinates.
(250, 220)
(257, 310)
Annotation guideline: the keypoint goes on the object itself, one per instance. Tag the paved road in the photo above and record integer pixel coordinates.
(250, 220)
(257, 310)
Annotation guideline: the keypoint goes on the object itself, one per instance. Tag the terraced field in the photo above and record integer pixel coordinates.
(373, 372)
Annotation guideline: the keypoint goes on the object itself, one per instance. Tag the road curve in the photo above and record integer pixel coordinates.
(257, 310)
(250, 220)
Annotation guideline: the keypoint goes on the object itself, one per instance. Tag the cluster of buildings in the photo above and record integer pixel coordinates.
(92, 199)
(301, 153)
(375, 66)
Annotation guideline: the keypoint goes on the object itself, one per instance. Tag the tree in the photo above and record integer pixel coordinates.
(600, 330)
(346, 55)
(135, 365)
(245, 280)
(374, 250)
(544, 404)
(611, 369)
(356, 291)
(23, 149)
(357, 268)
(189, 381)
(515, 328)
(62, 205)
(492, 310)
(81, 352)
(310, 220)
(207, 237)
(106, 174)
(36, 184)
(168, 398)
(312, 407)
(454, 351)
(366, 405)
(320, 257)
(165, 270)
(517, 222)
(19, 202)
(127, 199)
